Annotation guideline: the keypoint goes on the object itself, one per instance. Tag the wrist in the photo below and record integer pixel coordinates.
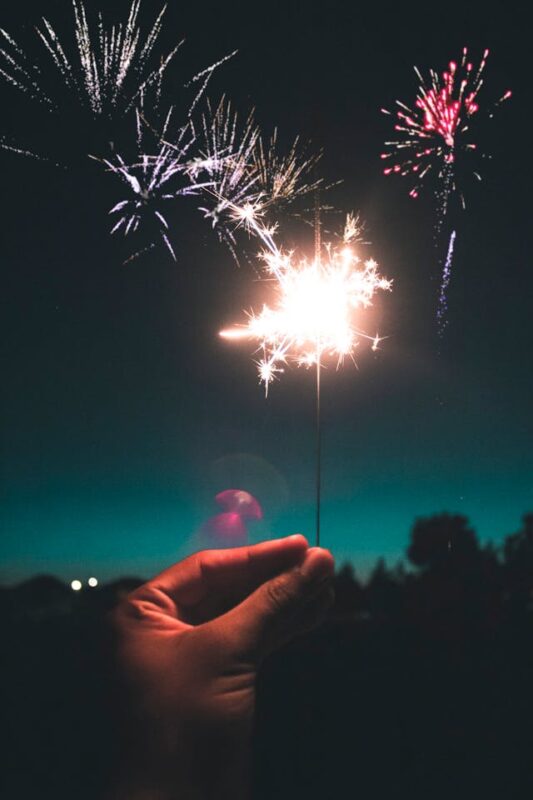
(206, 768)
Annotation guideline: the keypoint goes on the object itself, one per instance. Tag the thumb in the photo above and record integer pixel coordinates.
(276, 611)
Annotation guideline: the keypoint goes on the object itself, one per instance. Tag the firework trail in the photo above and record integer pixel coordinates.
(433, 133)
(317, 304)
(442, 307)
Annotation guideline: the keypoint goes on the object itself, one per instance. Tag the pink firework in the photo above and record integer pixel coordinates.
(431, 133)
(429, 137)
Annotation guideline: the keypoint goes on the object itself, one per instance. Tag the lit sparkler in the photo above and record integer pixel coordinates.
(313, 317)
(432, 133)
(316, 311)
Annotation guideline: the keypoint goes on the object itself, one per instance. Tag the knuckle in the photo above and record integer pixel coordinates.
(280, 593)
(206, 562)
(135, 606)
(131, 608)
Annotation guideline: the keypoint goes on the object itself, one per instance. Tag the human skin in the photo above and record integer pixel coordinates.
(189, 645)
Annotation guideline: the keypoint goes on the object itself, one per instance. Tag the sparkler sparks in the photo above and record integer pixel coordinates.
(218, 160)
(432, 134)
(316, 308)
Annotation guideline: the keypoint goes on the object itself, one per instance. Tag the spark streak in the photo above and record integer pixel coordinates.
(442, 309)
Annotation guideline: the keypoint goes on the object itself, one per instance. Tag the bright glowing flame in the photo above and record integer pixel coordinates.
(316, 313)
(76, 585)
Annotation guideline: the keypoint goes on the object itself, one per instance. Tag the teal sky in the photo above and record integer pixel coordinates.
(124, 413)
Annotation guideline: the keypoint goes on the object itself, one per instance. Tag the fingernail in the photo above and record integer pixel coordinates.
(317, 566)
(296, 537)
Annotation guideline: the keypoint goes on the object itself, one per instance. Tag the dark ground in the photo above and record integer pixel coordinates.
(418, 685)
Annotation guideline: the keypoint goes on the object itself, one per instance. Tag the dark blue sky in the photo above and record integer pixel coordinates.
(124, 413)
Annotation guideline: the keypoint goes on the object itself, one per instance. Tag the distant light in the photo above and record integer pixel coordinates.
(75, 585)
(93, 582)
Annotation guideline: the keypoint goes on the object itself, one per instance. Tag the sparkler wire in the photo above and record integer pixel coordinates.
(318, 355)
(318, 447)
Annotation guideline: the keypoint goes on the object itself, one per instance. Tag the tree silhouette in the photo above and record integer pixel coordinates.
(348, 592)
(459, 587)
(518, 566)
(383, 592)
(441, 541)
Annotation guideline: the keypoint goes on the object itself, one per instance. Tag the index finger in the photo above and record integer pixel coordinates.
(240, 569)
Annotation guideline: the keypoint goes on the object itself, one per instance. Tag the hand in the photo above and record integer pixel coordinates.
(190, 643)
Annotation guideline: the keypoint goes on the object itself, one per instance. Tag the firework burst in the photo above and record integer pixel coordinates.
(216, 159)
(152, 183)
(225, 158)
(431, 135)
(102, 76)
(109, 79)
(248, 178)
(282, 177)
(107, 72)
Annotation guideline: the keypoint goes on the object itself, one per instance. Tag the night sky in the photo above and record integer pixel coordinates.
(123, 411)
